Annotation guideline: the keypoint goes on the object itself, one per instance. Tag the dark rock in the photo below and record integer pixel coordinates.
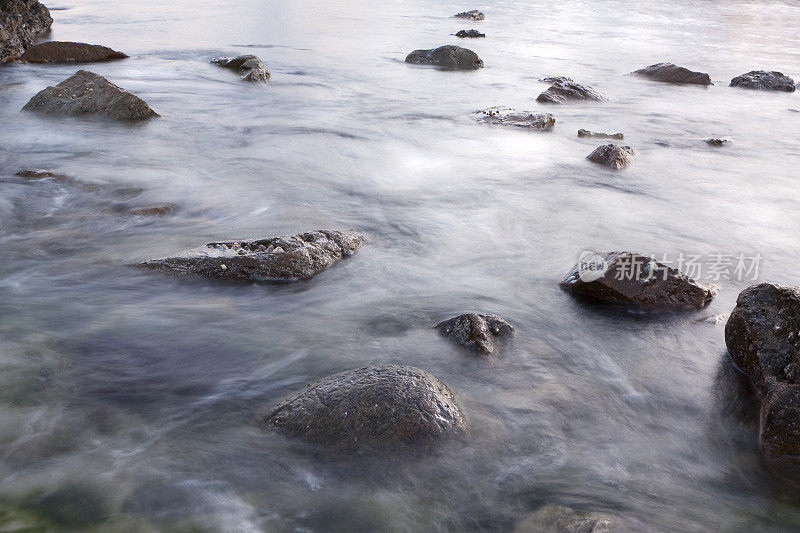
(564, 89)
(636, 280)
(554, 518)
(20, 22)
(86, 93)
(448, 57)
(469, 33)
(521, 119)
(38, 174)
(470, 15)
(249, 66)
(765, 81)
(62, 52)
(475, 331)
(612, 155)
(717, 142)
(596, 134)
(670, 73)
(278, 259)
(151, 210)
(374, 407)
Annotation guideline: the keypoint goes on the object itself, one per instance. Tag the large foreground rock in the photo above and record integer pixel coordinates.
(612, 155)
(475, 331)
(505, 116)
(65, 52)
(564, 89)
(86, 93)
(375, 407)
(448, 57)
(763, 339)
(670, 73)
(764, 81)
(20, 22)
(250, 67)
(470, 15)
(554, 518)
(277, 259)
(636, 280)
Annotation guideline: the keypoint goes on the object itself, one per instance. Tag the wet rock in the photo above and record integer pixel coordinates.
(277, 259)
(374, 407)
(250, 67)
(475, 330)
(64, 52)
(717, 142)
(469, 33)
(20, 22)
(506, 116)
(149, 210)
(470, 15)
(447, 57)
(636, 280)
(599, 135)
(564, 89)
(670, 73)
(39, 174)
(764, 81)
(553, 518)
(612, 155)
(86, 93)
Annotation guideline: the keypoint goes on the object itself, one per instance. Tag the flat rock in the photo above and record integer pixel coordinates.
(599, 135)
(372, 408)
(86, 93)
(158, 210)
(554, 518)
(667, 72)
(469, 33)
(475, 331)
(717, 142)
(636, 280)
(764, 81)
(20, 22)
(564, 89)
(250, 67)
(65, 52)
(277, 259)
(470, 15)
(612, 155)
(506, 116)
(447, 57)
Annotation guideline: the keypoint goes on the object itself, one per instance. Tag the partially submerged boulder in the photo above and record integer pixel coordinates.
(612, 155)
(717, 142)
(599, 135)
(470, 15)
(277, 259)
(506, 116)
(250, 67)
(372, 408)
(20, 22)
(475, 331)
(554, 518)
(65, 52)
(40, 174)
(469, 33)
(764, 81)
(667, 72)
(636, 280)
(86, 93)
(564, 89)
(447, 57)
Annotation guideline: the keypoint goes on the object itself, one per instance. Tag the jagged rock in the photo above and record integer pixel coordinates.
(371, 408)
(612, 155)
(470, 15)
(636, 280)
(469, 33)
(20, 22)
(554, 518)
(250, 67)
(765, 81)
(717, 142)
(506, 116)
(475, 331)
(587, 133)
(564, 89)
(448, 57)
(670, 73)
(277, 259)
(64, 52)
(86, 93)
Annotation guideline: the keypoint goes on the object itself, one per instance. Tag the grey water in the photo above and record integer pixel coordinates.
(131, 401)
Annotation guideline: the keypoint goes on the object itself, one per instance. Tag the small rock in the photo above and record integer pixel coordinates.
(715, 320)
(554, 518)
(764, 81)
(717, 142)
(250, 67)
(66, 52)
(667, 72)
(506, 116)
(564, 89)
(447, 57)
(469, 33)
(587, 133)
(470, 15)
(152, 210)
(612, 155)
(475, 331)
(38, 174)
(20, 22)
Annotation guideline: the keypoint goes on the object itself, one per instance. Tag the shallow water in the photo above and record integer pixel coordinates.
(132, 400)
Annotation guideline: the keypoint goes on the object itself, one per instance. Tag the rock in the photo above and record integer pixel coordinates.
(521, 119)
(612, 155)
(150, 210)
(717, 142)
(38, 174)
(587, 133)
(86, 93)
(554, 518)
(475, 331)
(636, 280)
(470, 15)
(765, 81)
(20, 22)
(715, 320)
(670, 73)
(469, 33)
(249, 66)
(277, 259)
(448, 57)
(61, 52)
(564, 89)
(373, 408)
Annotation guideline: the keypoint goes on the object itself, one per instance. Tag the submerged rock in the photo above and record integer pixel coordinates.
(448, 57)
(636, 280)
(554, 518)
(564, 89)
(64, 52)
(149, 210)
(475, 330)
(39, 174)
(250, 67)
(599, 135)
(20, 22)
(374, 407)
(86, 93)
(670, 73)
(506, 116)
(717, 142)
(278, 259)
(469, 33)
(764, 81)
(470, 15)
(612, 155)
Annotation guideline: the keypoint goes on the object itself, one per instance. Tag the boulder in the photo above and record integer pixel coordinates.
(469, 33)
(636, 280)
(599, 135)
(20, 22)
(554, 518)
(564, 89)
(470, 15)
(764, 81)
(670, 73)
(63, 52)
(250, 67)
(612, 155)
(371, 408)
(506, 116)
(86, 93)
(447, 57)
(475, 331)
(276, 259)
(717, 142)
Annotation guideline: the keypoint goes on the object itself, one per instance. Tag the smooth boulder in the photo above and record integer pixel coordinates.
(250, 67)
(276, 259)
(21, 21)
(469, 33)
(564, 89)
(470, 15)
(669, 73)
(476, 331)
(599, 135)
(447, 57)
(86, 93)
(764, 81)
(505, 116)
(371, 408)
(612, 155)
(65, 52)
